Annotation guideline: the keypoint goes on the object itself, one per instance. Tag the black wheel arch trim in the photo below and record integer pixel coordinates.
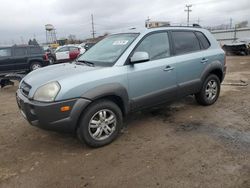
(214, 66)
(109, 90)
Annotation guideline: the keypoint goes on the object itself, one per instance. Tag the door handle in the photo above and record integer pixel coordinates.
(168, 68)
(204, 60)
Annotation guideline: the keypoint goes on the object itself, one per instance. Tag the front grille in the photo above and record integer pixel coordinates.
(25, 88)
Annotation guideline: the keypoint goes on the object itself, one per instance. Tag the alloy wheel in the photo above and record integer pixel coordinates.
(102, 124)
(211, 90)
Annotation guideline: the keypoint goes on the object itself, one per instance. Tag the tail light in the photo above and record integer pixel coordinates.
(45, 57)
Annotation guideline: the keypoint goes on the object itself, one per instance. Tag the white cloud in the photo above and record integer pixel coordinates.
(26, 18)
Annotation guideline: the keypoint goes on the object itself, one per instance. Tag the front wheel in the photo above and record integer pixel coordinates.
(100, 123)
(210, 91)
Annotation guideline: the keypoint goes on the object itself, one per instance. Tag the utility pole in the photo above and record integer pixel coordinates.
(93, 27)
(22, 40)
(198, 21)
(188, 10)
(230, 23)
(235, 32)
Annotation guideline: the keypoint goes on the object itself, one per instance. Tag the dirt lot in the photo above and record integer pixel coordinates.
(179, 145)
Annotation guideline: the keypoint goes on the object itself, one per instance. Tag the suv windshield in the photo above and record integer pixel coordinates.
(107, 51)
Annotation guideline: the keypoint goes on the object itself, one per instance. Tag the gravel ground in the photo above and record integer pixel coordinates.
(177, 145)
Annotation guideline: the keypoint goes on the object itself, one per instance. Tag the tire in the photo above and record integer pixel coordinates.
(243, 53)
(51, 60)
(210, 91)
(93, 126)
(35, 65)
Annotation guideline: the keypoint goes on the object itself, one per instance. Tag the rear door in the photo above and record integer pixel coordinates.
(190, 59)
(20, 58)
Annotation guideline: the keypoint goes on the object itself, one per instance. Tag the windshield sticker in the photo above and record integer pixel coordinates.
(120, 42)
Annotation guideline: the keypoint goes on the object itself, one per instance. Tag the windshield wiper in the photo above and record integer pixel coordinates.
(91, 64)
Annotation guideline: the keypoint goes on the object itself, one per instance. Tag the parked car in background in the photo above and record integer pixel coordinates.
(82, 48)
(123, 73)
(74, 54)
(22, 58)
(89, 45)
(62, 53)
(238, 47)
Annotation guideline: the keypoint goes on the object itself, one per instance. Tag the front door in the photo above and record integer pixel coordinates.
(153, 82)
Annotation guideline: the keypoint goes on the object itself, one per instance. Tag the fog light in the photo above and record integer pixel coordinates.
(65, 108)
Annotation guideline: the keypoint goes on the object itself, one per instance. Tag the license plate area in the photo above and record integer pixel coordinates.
(20, 105)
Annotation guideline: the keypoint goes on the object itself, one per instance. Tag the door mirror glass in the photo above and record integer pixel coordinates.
(139, 57)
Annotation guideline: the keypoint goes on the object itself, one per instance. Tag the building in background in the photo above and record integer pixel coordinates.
(229, 35)
(154, 24)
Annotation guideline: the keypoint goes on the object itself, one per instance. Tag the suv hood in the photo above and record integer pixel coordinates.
(55, 73)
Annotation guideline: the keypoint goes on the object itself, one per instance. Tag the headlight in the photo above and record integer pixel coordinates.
(47, 92)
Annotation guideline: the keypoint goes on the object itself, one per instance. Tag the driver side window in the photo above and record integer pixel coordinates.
(156, 45)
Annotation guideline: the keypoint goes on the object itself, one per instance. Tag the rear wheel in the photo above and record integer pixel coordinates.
(100, 124)
(210, 91)
(35, 65)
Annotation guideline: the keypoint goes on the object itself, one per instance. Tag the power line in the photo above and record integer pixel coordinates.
(188, 10)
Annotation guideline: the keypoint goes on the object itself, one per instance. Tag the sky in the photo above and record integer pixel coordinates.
(24, 19)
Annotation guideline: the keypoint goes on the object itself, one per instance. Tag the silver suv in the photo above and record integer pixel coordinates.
(123, 73)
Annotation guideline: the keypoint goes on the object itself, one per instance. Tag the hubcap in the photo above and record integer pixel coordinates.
(102, 124)
(211, 90)
(36, 66)
(51, 60)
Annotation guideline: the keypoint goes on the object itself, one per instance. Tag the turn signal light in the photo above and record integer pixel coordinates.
(65, 108)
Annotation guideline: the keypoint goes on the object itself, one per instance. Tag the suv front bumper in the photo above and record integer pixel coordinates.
(48, 115)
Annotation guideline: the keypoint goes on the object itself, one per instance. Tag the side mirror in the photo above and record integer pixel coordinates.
(139, 57)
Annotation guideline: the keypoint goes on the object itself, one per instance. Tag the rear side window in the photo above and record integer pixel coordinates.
(203, 40)
(156, 45)
(35, 50)
(5, 52)
(185, 42)
(73, 48)
(64, 49)
(20, 51)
